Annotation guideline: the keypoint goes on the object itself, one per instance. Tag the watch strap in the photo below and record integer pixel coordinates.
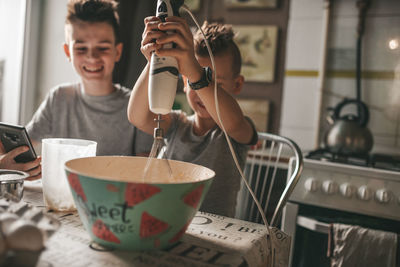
(204, 81)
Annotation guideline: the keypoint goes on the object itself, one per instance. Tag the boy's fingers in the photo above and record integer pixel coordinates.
(181, 22)
(17, 151)
(165, 26)
(148, 48)
(179, 28)
(29, 165)
(176, 19)
(35, 172)
(175, 38)
(150, 36)
(151, 23)
(150, 28)
(151, 18)
(2, 150)
(33, 178)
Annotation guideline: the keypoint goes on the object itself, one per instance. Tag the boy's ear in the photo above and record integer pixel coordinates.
(66, 51)
(238, 85)
(119, 48)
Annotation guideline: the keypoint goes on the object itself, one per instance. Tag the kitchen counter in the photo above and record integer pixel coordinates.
(210, 240)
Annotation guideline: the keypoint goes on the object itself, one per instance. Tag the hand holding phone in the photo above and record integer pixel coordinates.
(13, 136)
(16, 151)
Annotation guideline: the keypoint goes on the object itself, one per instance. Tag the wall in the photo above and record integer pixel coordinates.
(11, 50)
(380, 87)
(216, 10)
(53, 66)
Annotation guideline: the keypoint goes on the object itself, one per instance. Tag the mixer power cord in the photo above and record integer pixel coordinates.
(221, 123)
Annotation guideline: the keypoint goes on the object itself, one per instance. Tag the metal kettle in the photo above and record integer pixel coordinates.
(348, 134)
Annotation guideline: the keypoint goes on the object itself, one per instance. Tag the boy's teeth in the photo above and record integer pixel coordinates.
(93, 69)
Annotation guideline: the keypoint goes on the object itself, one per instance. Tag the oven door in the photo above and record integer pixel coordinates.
(310, 226)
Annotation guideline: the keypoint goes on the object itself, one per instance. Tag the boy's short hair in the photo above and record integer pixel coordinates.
(94, 11)
(220, 37)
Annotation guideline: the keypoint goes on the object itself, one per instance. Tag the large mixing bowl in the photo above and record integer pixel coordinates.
(121, 209)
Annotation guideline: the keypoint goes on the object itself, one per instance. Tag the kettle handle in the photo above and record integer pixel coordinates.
(363, 116)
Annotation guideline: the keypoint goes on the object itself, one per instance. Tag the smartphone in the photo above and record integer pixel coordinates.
(13, 136)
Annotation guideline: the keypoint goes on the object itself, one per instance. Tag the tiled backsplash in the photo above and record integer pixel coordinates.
(380, 83)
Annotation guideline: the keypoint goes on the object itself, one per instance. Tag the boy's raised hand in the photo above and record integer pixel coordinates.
(33, 168)
(181, 36)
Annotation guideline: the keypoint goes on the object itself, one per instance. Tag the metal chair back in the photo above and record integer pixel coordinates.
(266, 171)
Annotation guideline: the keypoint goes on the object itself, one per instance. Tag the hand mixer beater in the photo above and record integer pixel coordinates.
(163, 81)
(154, 167)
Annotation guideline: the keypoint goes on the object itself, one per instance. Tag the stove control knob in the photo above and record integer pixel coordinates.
(347, 190)
(329, 187)
(364, 193)
(311, 185)
(383, 196)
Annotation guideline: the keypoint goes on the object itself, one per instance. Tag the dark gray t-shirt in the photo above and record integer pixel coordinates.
(210, 150)
(67, 112)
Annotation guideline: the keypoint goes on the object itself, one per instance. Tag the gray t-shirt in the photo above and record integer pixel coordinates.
(210, 150)
(67, 112)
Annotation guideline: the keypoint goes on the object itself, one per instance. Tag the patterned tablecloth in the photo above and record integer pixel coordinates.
(210, 240)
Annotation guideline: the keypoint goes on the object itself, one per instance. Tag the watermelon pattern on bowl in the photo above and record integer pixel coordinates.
(120, 210)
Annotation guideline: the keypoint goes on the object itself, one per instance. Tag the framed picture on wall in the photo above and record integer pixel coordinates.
(193, 5)
(257, 110)
(251, 3)
(257, 45)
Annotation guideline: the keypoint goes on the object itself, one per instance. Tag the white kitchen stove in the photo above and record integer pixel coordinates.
(339, 186)
(332, 189)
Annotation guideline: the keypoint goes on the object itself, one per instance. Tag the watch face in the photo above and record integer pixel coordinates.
(209, 74)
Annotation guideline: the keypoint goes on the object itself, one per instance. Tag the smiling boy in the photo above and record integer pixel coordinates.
(94, 108)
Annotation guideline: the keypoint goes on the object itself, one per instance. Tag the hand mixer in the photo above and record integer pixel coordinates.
(163, 81)
(164, 72)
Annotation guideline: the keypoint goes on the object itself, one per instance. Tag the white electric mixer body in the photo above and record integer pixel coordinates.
(164, 72)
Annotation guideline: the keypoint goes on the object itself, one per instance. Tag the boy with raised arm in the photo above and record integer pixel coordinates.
(199, 138)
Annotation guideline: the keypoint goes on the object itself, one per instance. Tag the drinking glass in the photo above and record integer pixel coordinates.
(55, 152)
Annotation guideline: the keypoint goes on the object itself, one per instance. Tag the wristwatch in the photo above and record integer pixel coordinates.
(204, 81)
